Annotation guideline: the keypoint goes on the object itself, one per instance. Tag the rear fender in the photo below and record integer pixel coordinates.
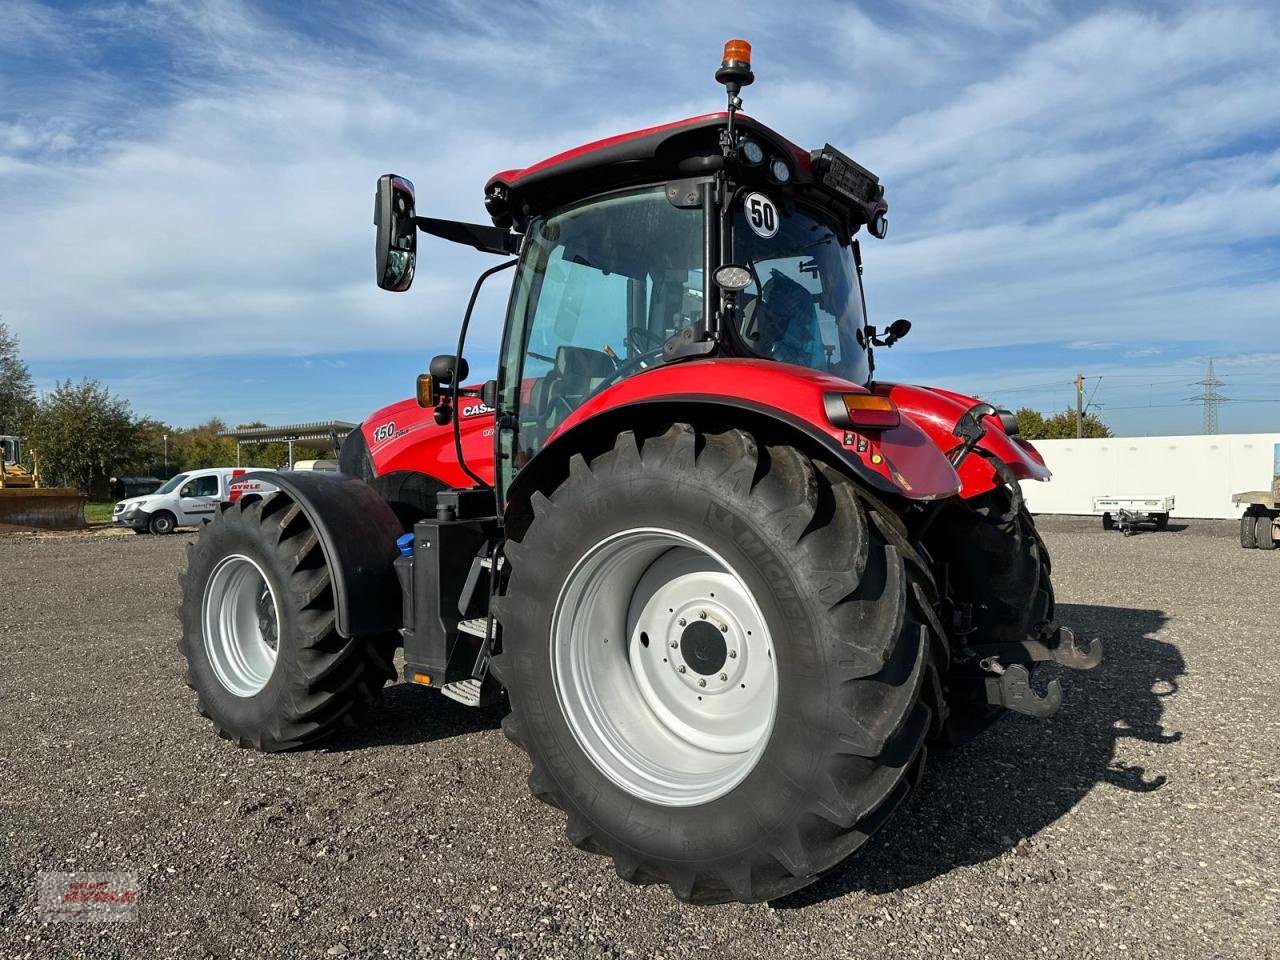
(357, 533)
(756, 394)
(936, 413)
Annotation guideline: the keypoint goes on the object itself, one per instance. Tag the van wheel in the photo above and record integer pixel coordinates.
(162, 522)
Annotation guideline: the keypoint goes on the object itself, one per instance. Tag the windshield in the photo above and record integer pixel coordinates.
(804, 305)
(173, 483)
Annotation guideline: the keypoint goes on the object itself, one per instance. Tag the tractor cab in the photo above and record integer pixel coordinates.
(713, 236)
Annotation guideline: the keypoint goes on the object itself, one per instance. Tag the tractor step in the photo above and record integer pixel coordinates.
(471, 693)
(477, 626)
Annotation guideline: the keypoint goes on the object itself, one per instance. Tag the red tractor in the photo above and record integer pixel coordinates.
(730, 584)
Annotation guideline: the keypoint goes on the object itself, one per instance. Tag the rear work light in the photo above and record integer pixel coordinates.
(861, 410)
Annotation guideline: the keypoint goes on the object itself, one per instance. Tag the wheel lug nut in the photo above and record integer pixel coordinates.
(682, 621)
(733, 654)
(724, 628)
(675, 644)
(723, 677)
(702, 614)
(702, 683)
(681, 668)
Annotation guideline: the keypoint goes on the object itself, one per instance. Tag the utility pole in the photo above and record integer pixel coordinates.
(1211, 398)
(1079, 405)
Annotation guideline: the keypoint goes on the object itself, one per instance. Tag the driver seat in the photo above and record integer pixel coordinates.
(575, 375)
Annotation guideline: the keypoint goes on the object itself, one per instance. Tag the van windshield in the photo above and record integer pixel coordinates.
(173, 484)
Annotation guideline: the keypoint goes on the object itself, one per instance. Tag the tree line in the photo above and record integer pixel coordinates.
(86, 435)
(1034, 425)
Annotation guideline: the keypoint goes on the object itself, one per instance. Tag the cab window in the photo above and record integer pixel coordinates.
(602, 285)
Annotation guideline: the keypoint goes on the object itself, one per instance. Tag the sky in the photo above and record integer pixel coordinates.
(186, 188)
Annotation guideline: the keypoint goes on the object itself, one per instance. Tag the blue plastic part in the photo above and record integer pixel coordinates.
(405, 544)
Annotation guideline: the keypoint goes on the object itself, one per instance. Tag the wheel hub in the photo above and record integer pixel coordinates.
(680, 712)
(240, 625)
(703, 648)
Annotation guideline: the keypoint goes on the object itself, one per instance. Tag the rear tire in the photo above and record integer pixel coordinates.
(826, 573)
(270, 668)
(162, 523)
(1266, 532)
(1248, 531)
(1162, 521)
(1108, 523)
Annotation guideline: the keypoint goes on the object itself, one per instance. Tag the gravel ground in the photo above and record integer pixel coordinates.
(1140, 821)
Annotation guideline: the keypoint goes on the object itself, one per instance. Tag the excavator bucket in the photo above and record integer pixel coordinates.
(43, 508)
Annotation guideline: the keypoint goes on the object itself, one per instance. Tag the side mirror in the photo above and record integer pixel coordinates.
(396, 246)
(897, 330)
(432, 388)
(443, 367)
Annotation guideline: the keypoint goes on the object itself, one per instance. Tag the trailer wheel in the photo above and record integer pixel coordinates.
(258, 631)
(162, 522)
(1248, 531)
(715, 658)
(1266, 531)
(1162, 521)
(1108, 523)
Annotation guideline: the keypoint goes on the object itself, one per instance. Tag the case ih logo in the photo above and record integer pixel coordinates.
(476, 409)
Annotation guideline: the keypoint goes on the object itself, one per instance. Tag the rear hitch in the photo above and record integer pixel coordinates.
(1009, 684)
(1062, 648)
(1010, 687)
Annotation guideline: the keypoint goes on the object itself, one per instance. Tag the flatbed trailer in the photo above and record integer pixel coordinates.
(1260, 522)
(1125, 513)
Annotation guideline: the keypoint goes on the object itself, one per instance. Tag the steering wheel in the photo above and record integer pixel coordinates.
(636, 336)
(627, 367)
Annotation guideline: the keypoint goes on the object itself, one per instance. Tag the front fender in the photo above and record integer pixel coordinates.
(902, 461)
(936, 413)
(357, 532)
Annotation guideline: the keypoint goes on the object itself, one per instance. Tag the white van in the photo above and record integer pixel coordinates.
(188, 499)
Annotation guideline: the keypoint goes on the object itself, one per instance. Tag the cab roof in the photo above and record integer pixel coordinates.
(685, 148)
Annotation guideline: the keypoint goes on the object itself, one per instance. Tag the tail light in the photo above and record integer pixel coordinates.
(865, 411)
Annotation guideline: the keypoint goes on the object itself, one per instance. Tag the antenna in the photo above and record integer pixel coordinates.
(1211, 398)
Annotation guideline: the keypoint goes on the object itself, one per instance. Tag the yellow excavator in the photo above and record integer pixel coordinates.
(26, 502)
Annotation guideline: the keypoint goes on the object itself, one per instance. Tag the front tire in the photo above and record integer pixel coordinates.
(1248, 531)
(259, 632)
(162, 523)
(723, 791)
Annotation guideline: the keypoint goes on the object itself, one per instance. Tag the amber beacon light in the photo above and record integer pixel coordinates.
(735, 66)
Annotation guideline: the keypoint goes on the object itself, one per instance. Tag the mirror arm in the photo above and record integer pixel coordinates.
(457, 387)
(485, 239)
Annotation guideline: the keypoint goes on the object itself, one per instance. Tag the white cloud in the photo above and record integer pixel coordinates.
(197, 179)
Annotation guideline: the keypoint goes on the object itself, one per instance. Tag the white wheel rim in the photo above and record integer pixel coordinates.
(683, 718)
(241, 625)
